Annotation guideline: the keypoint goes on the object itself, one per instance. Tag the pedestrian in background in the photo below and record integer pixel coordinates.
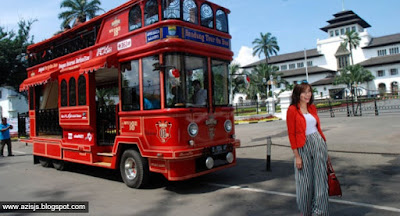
(5, 136)
(310, 151)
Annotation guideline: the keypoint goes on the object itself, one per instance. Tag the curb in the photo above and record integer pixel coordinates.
(240, 122)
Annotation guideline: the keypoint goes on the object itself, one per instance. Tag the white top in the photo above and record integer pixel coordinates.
(311, 123)
(200, 97)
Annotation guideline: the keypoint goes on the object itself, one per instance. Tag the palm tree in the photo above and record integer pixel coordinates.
(78, 10)
(353, 74)
(266, 44)
(351, 39)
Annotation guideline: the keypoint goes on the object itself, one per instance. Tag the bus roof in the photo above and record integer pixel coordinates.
(92, 22)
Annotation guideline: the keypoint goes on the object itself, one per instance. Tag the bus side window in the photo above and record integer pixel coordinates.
(130, 86)
(72, 92)
(64, 96)
(151, 84)
(82, 90)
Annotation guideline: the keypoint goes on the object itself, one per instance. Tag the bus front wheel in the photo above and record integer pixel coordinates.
(134, 169)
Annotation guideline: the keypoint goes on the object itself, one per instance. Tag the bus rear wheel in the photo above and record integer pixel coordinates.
(45, 162)
(59, 164)
(134, 169)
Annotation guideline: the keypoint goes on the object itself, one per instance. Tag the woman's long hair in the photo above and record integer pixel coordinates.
(297, 90)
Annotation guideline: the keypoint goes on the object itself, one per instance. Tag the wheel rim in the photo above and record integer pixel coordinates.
(130, 168)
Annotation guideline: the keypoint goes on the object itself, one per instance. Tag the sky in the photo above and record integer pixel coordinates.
(295, 23)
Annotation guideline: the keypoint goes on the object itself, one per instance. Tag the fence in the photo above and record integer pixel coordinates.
(363, 106)
(253, 108)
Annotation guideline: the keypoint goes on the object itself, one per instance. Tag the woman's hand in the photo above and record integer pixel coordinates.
(299, 163)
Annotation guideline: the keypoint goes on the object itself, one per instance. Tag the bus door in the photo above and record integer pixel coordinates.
(107, 99)
(46, 110)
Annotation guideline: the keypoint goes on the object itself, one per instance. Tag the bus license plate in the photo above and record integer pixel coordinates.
(219, 149)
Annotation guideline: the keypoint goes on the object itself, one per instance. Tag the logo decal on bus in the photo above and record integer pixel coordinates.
(125, 44)
(163, 131)
(104, 50)
(211, 123)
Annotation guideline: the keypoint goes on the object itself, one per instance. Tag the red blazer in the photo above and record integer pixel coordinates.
(296, 124)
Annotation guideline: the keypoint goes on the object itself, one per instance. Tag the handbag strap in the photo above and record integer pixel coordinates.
(330, 168)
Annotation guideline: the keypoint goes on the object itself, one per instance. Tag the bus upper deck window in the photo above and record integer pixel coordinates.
(171, 9)
(207, 16)
(190, 11)
(135, 18)
(221, 21)
(72, 92)
(150, 12)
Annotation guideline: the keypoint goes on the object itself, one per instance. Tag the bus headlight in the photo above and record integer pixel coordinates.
(228, 125)
(193, 129)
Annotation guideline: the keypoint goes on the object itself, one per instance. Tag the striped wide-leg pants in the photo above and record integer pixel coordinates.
(312, 180)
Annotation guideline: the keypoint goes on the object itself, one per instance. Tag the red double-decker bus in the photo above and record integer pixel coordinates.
(142, 88)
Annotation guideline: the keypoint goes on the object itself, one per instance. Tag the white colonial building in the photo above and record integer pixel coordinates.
(11, 103)
(380, 55)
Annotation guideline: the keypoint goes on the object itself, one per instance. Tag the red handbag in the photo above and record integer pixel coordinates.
(333, 182)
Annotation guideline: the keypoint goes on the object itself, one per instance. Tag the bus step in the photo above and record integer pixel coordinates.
(103, 164)
(107, 154)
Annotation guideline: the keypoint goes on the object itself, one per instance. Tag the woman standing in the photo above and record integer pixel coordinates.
(310, 152)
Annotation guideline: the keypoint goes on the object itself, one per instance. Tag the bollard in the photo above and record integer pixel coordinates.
(269, 143)
(331, 110)
(376, 109)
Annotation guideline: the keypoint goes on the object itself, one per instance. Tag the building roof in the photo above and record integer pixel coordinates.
(302, 71)
(311, 53)
(345, 18)
(381, 60)
(384, 40)
(325, 81)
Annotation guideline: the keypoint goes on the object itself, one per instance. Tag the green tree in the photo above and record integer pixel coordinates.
(353, 74)
(78, 9)
(262, 75)
(13, 56)
(352, 40)
(267, 45)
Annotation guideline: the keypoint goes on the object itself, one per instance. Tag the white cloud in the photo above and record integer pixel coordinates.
(245, 56)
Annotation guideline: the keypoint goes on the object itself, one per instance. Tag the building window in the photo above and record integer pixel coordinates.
(283, 67)
(150, 12)
(331, 33)
(348, 29)
(353, 28)
(300, 64)
(207, 16)
(309, 63)
(394, 71)
(343, 61)
(1, 93)
(336, 32)
(292, 66)
(381, 73)
(342, 31)
(135, 18)
(382, 52)
(394, 50)
(190, 11)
